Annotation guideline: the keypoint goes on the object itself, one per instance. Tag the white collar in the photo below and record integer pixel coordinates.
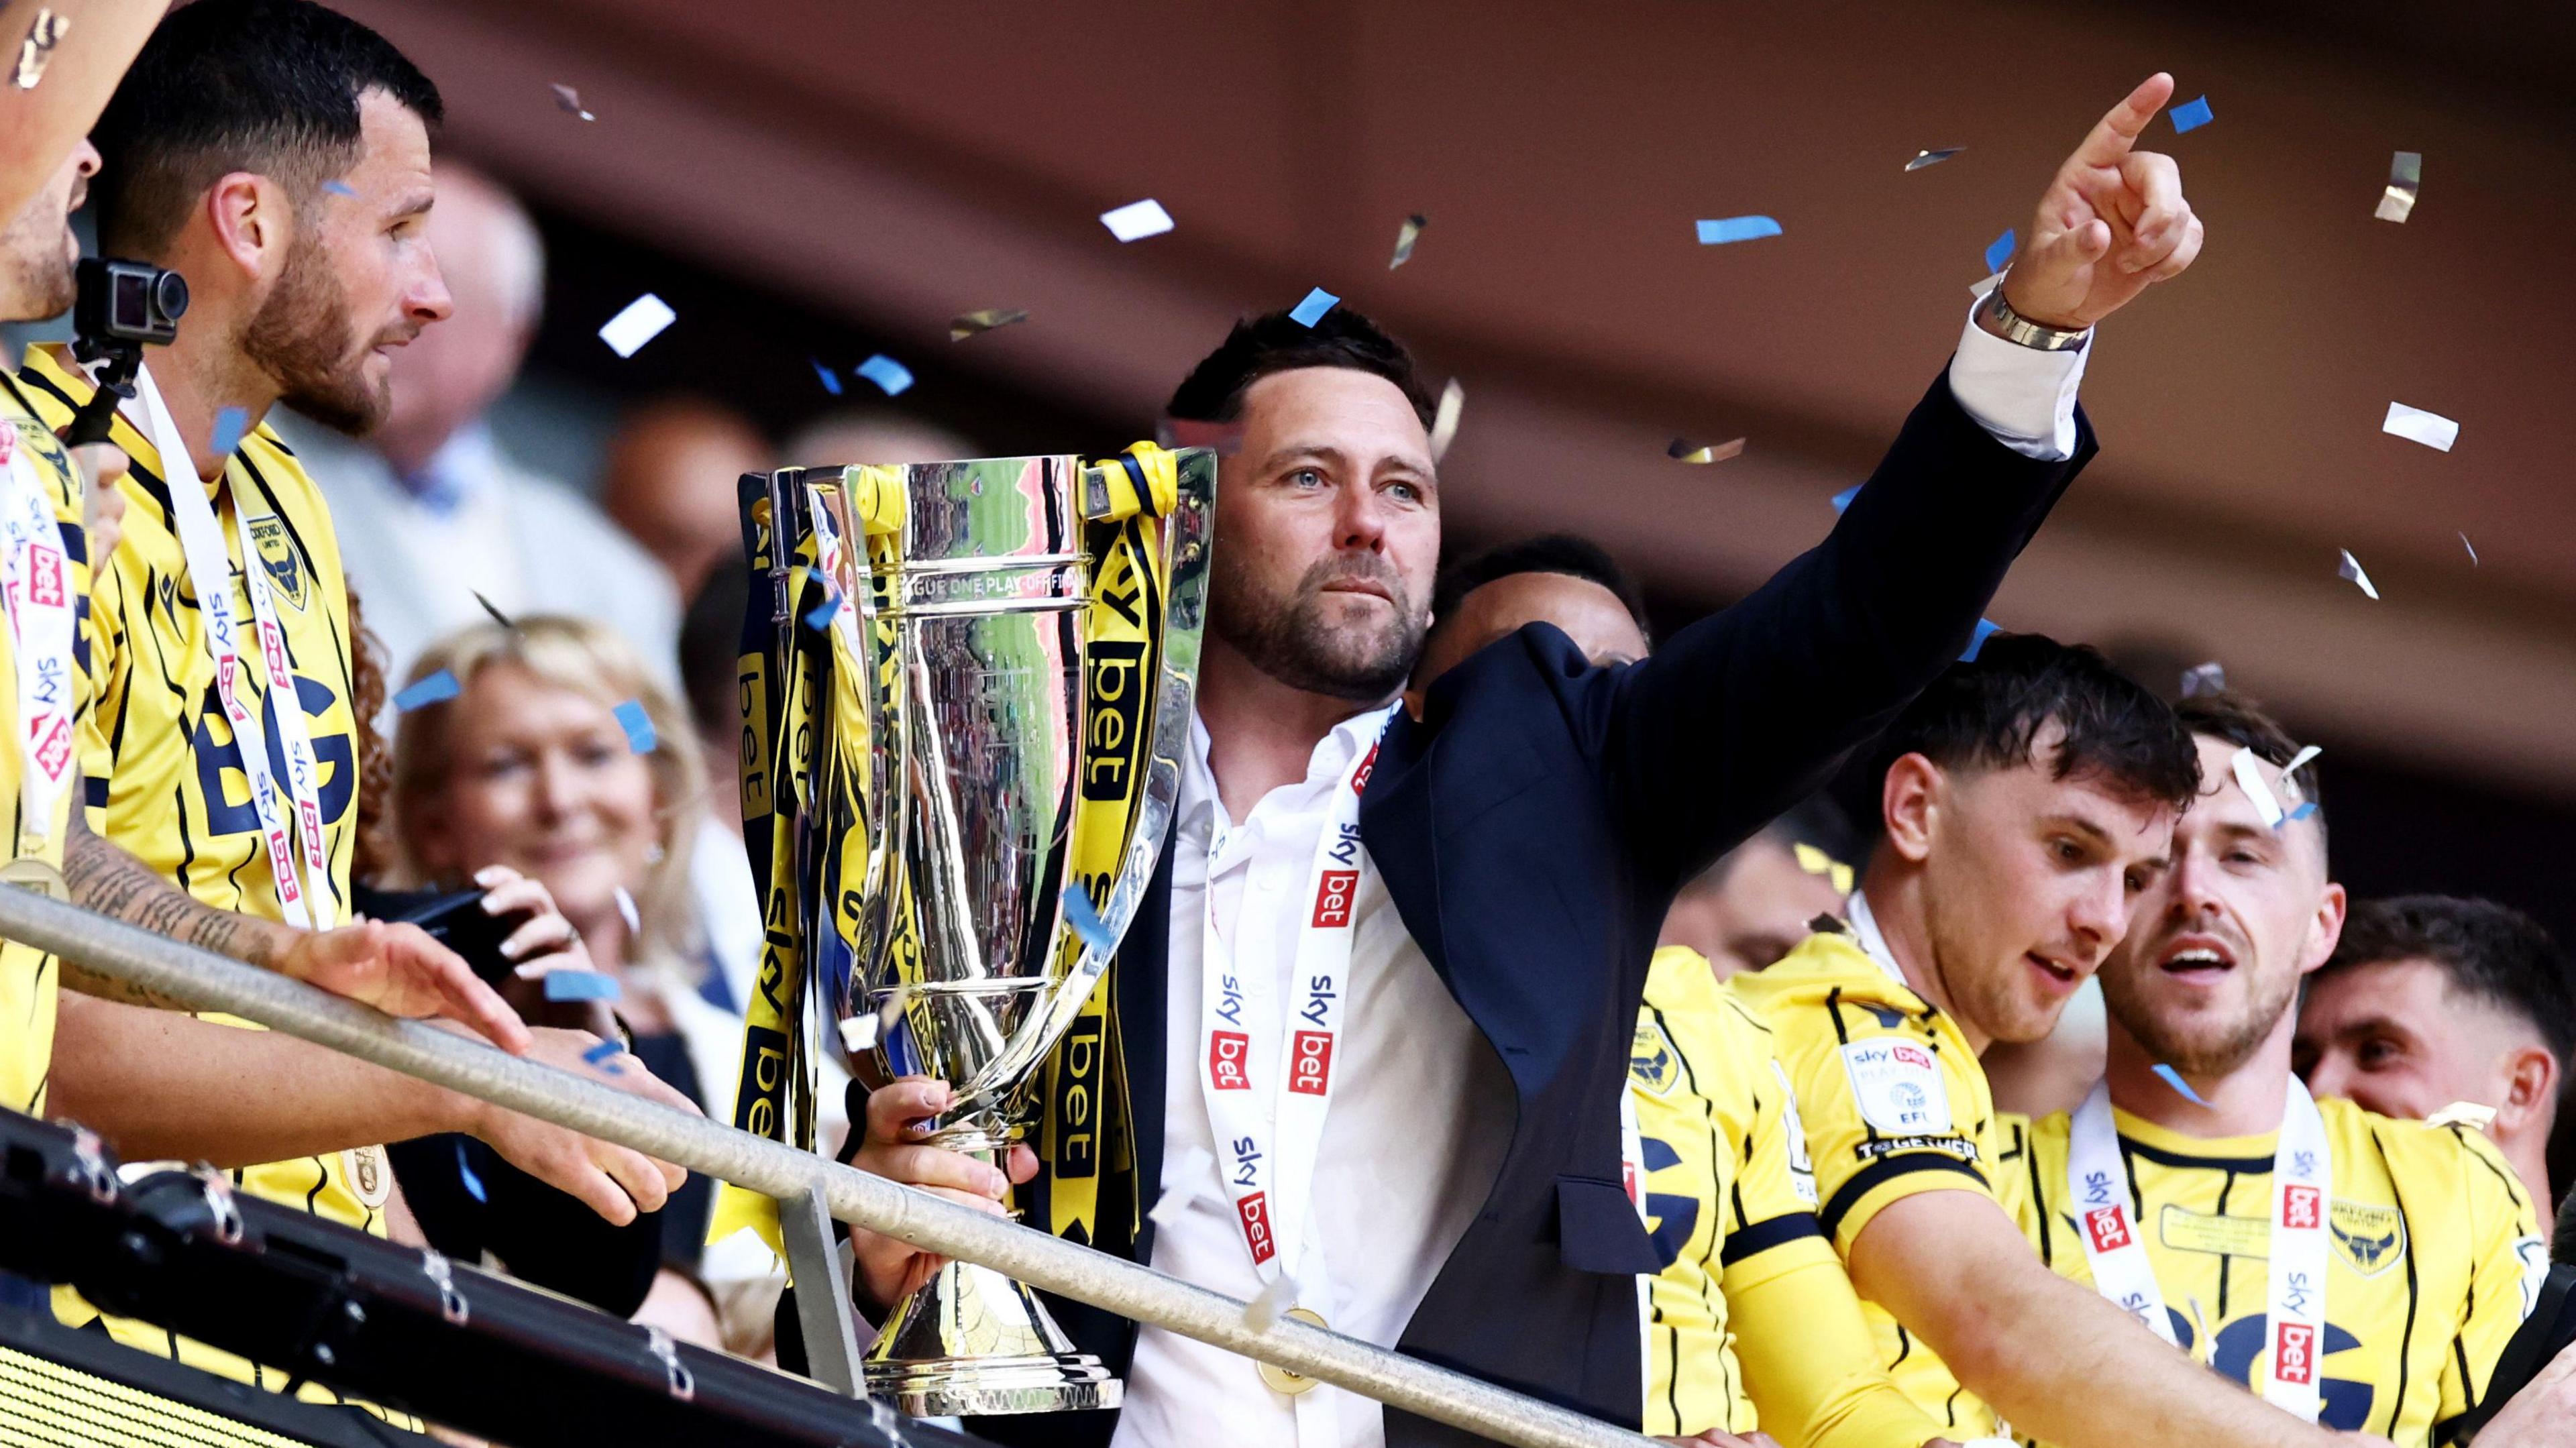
(1865, 929)
(1332, 754)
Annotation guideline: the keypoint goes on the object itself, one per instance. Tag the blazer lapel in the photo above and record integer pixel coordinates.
(1140, 997)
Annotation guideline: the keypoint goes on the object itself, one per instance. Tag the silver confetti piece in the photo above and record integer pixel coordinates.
(1932, 158)
(1683, 450)
(1444, 423)
(2405, 178)
(2351, 572)
(37, 50)
(967, 324)
(568, 101)
(1277, 1296)
(2208, 678)
(1405, 236)
(2472, 547)
(626, 911)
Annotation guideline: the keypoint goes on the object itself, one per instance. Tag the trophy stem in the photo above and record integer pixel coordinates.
(974, 1342)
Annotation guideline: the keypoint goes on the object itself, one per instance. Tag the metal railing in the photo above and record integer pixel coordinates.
(206, 981)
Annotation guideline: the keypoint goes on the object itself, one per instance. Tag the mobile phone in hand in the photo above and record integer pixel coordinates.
(455, 919)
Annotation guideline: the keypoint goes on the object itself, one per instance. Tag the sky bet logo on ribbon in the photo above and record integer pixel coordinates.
(1255, 1212)
(2104, 1226)
(1310, 1063)
(2294, 1352)
(2299, 1208)
(1227, 1051)
(1333, 898)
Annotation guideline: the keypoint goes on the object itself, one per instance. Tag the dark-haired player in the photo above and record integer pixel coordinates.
(2029, 798)
(276, 154)
(2430, 1003)
(2362, 1272)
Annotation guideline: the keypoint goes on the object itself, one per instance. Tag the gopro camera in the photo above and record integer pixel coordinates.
(121, 308)
(133, 302)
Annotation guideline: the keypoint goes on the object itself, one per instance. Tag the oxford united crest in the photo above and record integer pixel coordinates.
(277, 554)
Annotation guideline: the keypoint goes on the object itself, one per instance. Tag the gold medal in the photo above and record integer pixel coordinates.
(1280, 1379)
(29, 873)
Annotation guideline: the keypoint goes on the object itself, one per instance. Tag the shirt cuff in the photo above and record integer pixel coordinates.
(2022, 396)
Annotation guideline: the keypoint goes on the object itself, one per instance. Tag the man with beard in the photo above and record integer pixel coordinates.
(276, 154)
(1457, 912)
(2358, 1270)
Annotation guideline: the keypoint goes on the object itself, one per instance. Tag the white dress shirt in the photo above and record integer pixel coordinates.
(1422, 1109)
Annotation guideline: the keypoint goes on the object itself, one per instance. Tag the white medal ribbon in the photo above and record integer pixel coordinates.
(37, 574)
(2097, 1183)
(201, 538)
(1267, 1140)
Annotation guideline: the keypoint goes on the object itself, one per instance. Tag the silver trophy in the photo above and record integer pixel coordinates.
(1012, 649)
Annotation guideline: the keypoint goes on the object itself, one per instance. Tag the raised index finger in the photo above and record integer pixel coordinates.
(2112, 136)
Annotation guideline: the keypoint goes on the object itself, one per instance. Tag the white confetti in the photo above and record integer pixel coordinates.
(2472, 547)
(1444, 423)
(626, 911)
(2249, 778)
(568, 101)
(1932, 158)
(1137, 220)
(2405, 180)
(2350, 571)
(642, 320)
(1277, 1296)
(858, 1034)
(2208, 678)
(2414, 424)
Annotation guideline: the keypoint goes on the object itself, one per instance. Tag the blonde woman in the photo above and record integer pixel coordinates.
(529, 766)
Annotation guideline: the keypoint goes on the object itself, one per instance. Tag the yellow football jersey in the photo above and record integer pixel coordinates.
(1894, 1103)
(27, 975)
(2436, 1255)
(176, 796)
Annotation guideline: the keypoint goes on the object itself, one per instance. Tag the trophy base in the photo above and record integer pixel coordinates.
(972, 1343)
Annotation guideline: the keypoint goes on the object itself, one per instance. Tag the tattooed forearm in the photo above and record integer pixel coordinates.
(106, 879)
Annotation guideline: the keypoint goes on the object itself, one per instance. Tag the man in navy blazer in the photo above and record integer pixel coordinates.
(1440, 1169)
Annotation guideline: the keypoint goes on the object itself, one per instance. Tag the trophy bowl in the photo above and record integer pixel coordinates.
(1010, 690)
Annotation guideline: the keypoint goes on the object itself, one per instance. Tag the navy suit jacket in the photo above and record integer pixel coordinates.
(1532, 828)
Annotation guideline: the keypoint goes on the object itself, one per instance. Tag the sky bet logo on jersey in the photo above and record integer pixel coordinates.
(1898, 1087)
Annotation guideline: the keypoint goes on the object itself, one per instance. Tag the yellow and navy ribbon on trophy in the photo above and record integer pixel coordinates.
(1085, 1133)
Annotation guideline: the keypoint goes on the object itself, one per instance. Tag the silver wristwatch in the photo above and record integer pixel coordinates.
(2022, 331)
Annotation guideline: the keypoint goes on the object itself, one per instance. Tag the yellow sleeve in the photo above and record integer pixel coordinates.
(1809, 1364)
(1888, 1111)
(2504, 1278)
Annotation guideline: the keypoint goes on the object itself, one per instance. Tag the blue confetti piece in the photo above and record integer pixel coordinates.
(2191, 115)
(1986, 628)
(438, 686)
(601, 1056)
(230, 424)
(1843, 499)
(343, 188)
(581, 985)
(820, 616)
(2302, 812)
(2000, 250)
(638, 726)
(1310, 311)
(1085, 920)
(465, 1173)
(1736, 228)
(2174, 1079)
(831, 379)
(889, 375)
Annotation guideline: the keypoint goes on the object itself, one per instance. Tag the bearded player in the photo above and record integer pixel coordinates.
(2353, 1268)
(277, 155)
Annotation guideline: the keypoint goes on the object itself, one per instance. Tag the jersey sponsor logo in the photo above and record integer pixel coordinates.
(2294, 1352)
(2302, 1207)
(1227, 1058)
(277, 554)
(1652, 1061)
(2369, 1239)
(1898, 1087)
(1333, 898)
(1255, 1212)
(1310, 1063)
(2105, 1227)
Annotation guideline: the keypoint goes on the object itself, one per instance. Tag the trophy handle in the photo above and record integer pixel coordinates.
(1187, 537)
